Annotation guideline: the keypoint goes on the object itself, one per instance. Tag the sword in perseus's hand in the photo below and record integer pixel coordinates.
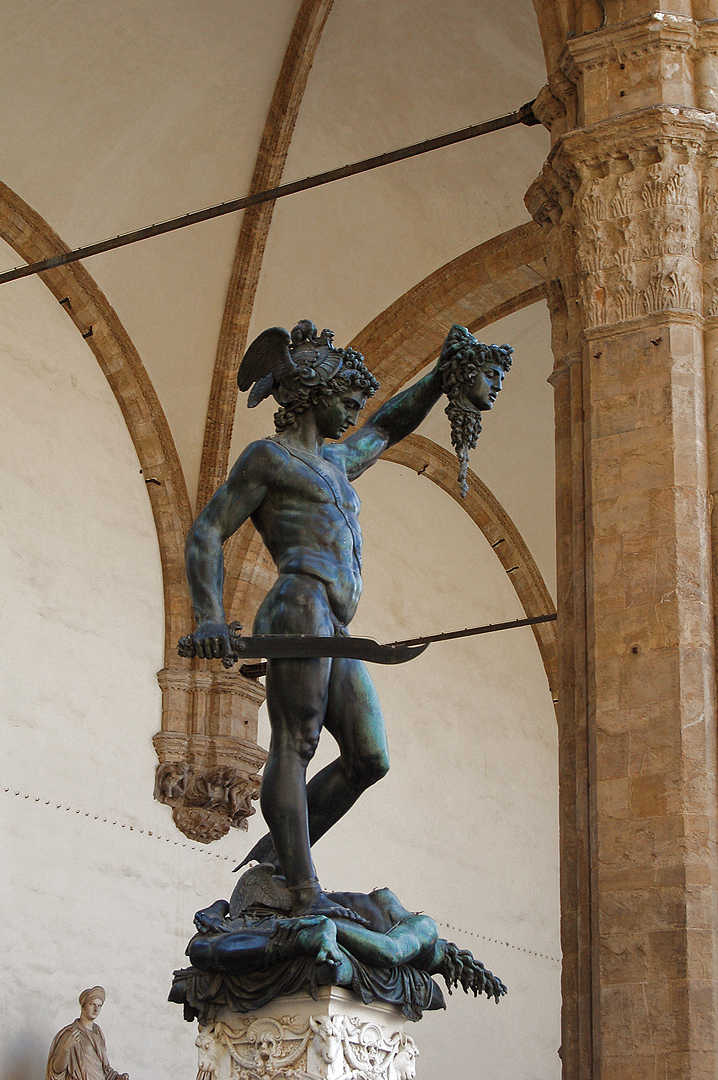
(303, 646)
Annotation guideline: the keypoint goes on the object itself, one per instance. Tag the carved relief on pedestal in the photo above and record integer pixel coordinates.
(337, 1047)
(211, 779)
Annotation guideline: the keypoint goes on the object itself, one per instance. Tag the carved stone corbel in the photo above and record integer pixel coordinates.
(208, 772)
(551, 110)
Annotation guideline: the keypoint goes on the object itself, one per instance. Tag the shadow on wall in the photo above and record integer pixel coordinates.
(25, 1057)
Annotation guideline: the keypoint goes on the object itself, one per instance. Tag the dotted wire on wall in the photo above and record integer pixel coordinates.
(114, 821)
(495, 941)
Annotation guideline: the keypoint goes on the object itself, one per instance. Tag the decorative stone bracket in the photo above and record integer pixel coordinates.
(208, 754)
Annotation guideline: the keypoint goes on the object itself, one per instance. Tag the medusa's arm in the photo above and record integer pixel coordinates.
(404, 943)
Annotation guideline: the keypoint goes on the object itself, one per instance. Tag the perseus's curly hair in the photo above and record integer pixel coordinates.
(305, 387)
(462, 358)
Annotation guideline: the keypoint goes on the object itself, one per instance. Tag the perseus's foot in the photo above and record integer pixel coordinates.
(309, 899)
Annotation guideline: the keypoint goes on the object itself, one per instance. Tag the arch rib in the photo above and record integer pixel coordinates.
(438, 465)
(33, 239)
(490, 281)
(252, 242)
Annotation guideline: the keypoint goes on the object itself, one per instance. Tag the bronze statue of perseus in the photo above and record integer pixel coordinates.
(297, 489)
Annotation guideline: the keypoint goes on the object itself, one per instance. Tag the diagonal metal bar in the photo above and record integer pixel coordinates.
(490, 628)
(524, 115)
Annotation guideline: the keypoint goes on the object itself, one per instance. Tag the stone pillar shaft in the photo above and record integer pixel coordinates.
(629, 202)
(574, 815)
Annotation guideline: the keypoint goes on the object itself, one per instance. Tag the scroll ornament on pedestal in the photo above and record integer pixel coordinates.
(303, 1046)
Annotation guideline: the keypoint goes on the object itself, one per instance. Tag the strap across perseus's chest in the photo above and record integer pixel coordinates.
(316, 465)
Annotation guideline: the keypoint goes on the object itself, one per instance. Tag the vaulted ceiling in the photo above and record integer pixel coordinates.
(127, 114)
(124, 114)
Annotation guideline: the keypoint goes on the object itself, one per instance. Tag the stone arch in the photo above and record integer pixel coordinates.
(490, 281)
(207, 719)
(249, 254)
(429, 459)
(33, 239)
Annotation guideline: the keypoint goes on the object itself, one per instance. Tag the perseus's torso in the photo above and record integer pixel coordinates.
(309, 522)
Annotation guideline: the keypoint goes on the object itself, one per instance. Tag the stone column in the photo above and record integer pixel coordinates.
(629, 202)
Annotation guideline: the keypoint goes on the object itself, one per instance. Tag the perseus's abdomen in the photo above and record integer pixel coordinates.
(342, 583)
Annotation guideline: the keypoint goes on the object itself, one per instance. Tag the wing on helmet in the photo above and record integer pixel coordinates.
(267, 358)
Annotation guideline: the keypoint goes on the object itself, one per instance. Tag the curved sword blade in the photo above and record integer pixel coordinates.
(303, 645)
(289, 646)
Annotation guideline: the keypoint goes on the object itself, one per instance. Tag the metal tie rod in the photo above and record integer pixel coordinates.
(490, 628)
(524, 115)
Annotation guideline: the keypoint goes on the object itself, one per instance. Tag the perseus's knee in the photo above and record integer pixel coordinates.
(304, 744)
(370, 768)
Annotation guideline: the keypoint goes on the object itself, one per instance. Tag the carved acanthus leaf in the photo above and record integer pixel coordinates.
(200, 825)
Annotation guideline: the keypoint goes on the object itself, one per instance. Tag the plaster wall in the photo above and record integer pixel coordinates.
(99, 886)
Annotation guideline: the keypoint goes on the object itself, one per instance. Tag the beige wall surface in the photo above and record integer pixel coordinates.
(162, 113)
(97, 884)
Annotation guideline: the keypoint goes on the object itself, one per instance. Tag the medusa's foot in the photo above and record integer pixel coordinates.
(459, 967)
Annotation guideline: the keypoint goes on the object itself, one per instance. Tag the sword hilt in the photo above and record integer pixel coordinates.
(186, 645)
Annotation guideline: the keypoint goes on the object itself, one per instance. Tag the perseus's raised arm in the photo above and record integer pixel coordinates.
(391, 423)
(231, 505)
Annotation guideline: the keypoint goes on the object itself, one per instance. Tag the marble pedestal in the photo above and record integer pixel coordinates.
(331, 1037)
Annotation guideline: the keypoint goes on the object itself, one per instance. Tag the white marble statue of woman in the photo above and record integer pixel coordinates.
(78, 1051)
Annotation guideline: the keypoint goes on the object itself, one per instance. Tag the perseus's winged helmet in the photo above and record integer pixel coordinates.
(276, 355)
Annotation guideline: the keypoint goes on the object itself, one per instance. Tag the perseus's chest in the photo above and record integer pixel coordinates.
(315, 479)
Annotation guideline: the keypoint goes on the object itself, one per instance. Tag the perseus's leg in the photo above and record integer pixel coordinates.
(297, 692)
(296, 701)
(354, 718)
(297, 696)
